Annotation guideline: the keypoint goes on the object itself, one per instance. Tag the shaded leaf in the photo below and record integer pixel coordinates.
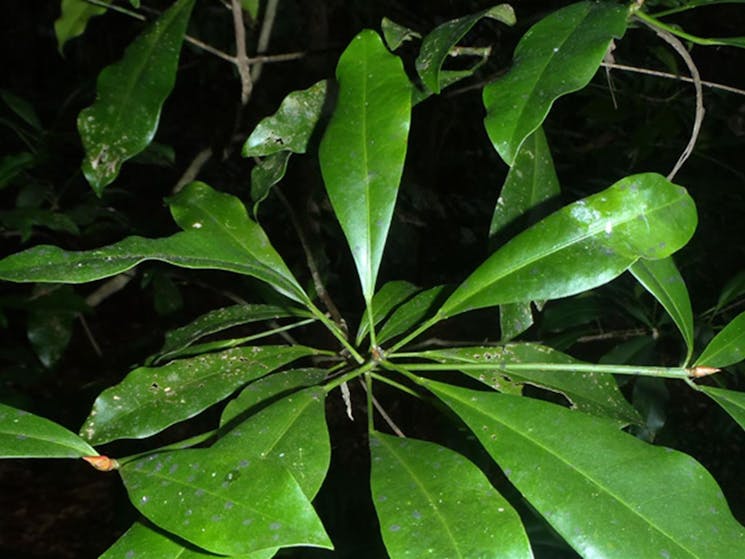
(437, 45)
(268, 172)
(150, 399)
(13, 165)
(395, 34)
(423, 513)
(514, 319)
(363, 149)
(558, 55)
(73, 20)
(594, 393)
(537, 443)
(130, 94)
(663, 280)
(290, 433)
(412, 312)
(583, 245)
(727, 347)
(384, 301)
(25, 435)
(732, 290)
(22, 109)
(26, 219)
(731, 401)
(222, 501)
(290, 128)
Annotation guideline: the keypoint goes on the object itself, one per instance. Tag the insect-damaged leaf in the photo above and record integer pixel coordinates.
(150, 399)
(130, 94)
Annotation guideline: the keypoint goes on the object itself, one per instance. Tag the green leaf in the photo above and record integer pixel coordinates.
(732, 402)
(593, 393)
(150, 399)
(395, 34)
(25, 220)
(219, 320)
(25, 435)
(663, 280)
(574, 469)
(733, 289)
(13, 165)
(514, 319)
(363, 149)
(130, 94)
(385, 300)
(290, 433)
(22, 108)
(422, 512)
(222, 501)
(412, 312)
(269, 387)
(266, 174)
(73, 20)
(290, 128)
(583, 245)
(558, 55)
(727, 347)
(142, 541)
(437, 45)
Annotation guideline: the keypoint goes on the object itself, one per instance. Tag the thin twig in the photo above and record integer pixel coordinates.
(115, 8)
(241, 58)
(312, 266)
(679, 47)
(90, 336)
(384, 414)
(199, 161)
(270, 12)
(210, 49)
(114, 285)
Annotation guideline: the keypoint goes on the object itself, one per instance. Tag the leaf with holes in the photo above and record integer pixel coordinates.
(573, 468)
(130, 95)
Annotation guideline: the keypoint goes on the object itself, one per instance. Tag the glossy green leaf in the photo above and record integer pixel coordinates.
(73, 20)
(142, 541)
(575, 470)
(269, 387)
(363, 149)
(150, 399)
(437, 45)
(266, 174)
(290, 128)
(200, 207)
(412, 312)
(385, 300)
(25, 435)
(291, 434)
(558, 55)
(395, 34)
(130, 94)
(593, 393)
(422, 513)
(514, 319)
(727, 347)
(583, 245)
(663, 280)
(218, 320)
(731, 401)
(223, 501)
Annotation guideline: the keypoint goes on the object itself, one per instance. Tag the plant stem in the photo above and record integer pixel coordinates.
(679, 33)
(370, 407)
(393, 383)
(354, 373)
(426, 325)
(334, 329)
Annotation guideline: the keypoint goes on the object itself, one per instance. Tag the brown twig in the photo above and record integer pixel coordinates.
(241, 58)
(679, 47)
(192, 171)
(267, 24)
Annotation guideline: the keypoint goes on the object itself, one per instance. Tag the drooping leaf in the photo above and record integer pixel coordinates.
(150, 399)
(73, 20)
(437, 45)
(573, 469)
(291, 434)
(424, 512)
(219, 320)
(395, 34)
(266, 174)
(558, 55)
(222, 501)
(130, 95)
(583, 245)
(593, 393)
(290, 128)
(269, 387)
(25, 435)
(731, 401)
(412, 312)
(142, 541)
(663, 280)
(362, 151)
(385, 300)
(727, 347)
(514, 319)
